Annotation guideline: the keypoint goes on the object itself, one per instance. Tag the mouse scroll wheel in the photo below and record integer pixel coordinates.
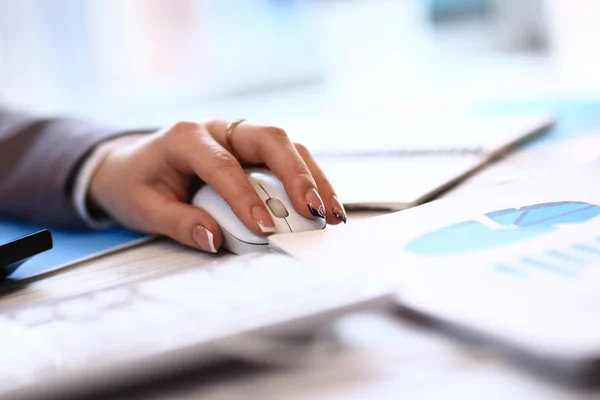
(277, 208)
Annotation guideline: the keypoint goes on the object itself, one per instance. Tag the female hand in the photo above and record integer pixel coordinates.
(143, 184)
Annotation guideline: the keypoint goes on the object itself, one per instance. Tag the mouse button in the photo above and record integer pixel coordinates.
(260, 189)
(277, 208)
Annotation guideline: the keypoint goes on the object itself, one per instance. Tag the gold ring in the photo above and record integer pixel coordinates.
(229, 132)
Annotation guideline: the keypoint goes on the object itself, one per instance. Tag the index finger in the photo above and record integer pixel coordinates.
(191, 149)
(270, 145)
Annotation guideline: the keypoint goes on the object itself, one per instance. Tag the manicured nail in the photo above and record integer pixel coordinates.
(204, 239)
(338, 210)
(315, 204)
(263, 219)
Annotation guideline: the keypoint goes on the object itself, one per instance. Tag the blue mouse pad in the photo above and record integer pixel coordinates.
(69, 246)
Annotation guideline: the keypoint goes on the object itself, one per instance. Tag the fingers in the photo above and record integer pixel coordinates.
(271, 146)
(335, 210)
(182, 222)
(201, 154)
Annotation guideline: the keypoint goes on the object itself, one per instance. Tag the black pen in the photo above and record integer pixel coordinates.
(14, 253)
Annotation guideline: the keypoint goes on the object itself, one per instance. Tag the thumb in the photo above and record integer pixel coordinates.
(188, 225)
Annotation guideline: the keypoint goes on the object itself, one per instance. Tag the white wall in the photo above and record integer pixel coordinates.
(28, 68)
(106, 56)
(574, 27)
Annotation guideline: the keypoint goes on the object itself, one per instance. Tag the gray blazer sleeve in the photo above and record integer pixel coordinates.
(38, 161)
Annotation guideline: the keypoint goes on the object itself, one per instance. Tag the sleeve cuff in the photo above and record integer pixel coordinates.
(84, 177)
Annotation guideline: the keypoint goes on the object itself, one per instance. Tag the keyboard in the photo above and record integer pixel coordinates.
(134, 331)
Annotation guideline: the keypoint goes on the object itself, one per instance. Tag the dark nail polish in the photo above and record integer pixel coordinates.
(317, 213)
(339, 215)
(315, 203)
(338, 209)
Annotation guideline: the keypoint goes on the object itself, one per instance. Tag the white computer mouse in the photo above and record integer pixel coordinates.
(237, 238)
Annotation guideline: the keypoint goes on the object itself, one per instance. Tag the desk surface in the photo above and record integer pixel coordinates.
(380, 357)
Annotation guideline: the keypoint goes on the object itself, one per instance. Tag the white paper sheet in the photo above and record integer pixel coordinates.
(530, 276)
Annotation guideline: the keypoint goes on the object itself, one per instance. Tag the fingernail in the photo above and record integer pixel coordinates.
(263, 219)
(204, 239)
(315, 204)
(338, 210)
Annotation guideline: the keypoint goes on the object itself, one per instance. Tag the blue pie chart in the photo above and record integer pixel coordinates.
(505, 227)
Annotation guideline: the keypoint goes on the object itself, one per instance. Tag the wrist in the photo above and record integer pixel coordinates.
(85, 194)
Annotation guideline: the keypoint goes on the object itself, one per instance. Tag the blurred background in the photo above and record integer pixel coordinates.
(156, 61)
